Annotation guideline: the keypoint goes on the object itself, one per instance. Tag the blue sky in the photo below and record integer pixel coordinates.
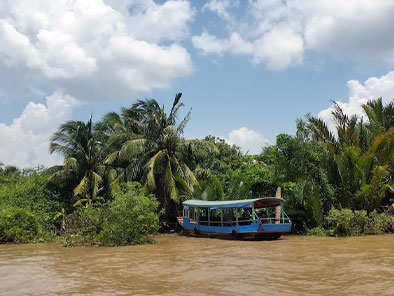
(247, 69)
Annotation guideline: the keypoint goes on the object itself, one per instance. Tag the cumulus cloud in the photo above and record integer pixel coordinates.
(250, 141)
(278, 33)
(360, 93)
(91, 49)
(208, 44)
(25, 142)
(157, 22)
(221, 7)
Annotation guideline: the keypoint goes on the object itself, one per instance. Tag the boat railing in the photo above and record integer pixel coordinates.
(242, 222)
(225, 223)
(274, 220)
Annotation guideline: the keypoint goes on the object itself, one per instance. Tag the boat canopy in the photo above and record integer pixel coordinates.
(242, 203)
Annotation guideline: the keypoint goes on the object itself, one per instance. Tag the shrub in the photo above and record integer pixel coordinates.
(127, 220)
(345, 222)
(31, 194)
(317, 231)
(17, 225)
(131, 217)
(377, 222)
(84, 224)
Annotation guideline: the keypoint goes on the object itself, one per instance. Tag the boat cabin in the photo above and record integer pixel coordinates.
(249, 218)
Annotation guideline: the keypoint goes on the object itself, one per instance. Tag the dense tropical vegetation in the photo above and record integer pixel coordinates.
(125, 176)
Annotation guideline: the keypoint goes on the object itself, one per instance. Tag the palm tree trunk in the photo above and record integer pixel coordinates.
(163, 198)
(170, 207)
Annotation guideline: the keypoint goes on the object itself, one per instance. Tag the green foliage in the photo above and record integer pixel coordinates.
(377, 222)
(346, 222)
(216, 156)
(360, 158)
(131, 218)
(317, 169)
(81, 145)
(207, 188)
(153, 151)
(317, 231)
(84, 225)
(31, 194)
(18, 225)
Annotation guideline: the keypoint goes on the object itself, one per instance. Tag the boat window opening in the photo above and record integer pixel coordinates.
(193, 215)
(222, 217)
(210, 217)
(185, 213)
(203, 220)
(228, 217)
(267, 215)
(245, 216)
(216, 217)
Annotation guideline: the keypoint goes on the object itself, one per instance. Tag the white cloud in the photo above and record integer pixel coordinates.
(221, 7)
(88, 49)
(278, 33)
(209, 44)
(250, 141)
(25, 142)
(373, 88)
(279, 48)
(154, 22)
(76, 46)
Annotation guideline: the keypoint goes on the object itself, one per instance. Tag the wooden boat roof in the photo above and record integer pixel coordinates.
(242, 203)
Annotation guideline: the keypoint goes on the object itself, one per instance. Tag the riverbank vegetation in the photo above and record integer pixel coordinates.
(125, 176)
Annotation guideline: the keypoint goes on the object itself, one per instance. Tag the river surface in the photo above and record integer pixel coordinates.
(178, 265)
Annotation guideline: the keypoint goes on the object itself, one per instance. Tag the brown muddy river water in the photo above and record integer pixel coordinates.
(177, 265)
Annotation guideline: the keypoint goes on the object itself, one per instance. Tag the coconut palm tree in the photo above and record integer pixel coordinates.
(207, 188)
(155, 151)
(82, 148)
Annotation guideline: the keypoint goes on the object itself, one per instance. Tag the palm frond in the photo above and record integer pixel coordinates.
(181, 126)
(169, 182)
(340, 118)
(70, 164)
(82, 187)
(153, 163)
(132, 148)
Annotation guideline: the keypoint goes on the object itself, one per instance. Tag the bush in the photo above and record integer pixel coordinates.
(377, 222)
(84, 225)
(17, 225)
(317, 231)
(127, 220)
(31, 194)
(131, 218)
(345, 222)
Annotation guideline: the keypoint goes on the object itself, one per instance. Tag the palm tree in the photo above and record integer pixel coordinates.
(361, 153)
(207, 188)
(381, 118)
(82, 148)
(154, 151)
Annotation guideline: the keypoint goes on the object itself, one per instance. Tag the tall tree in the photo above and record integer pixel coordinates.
(155, 151)
(361, 153)
(82, 149)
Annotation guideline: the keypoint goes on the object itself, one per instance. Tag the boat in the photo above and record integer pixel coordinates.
(258, 218)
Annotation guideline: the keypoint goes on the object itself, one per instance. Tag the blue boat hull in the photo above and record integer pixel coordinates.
(255, 230)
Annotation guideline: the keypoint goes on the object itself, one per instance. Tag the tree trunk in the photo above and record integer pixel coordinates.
(277, 208)
(163, 198)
